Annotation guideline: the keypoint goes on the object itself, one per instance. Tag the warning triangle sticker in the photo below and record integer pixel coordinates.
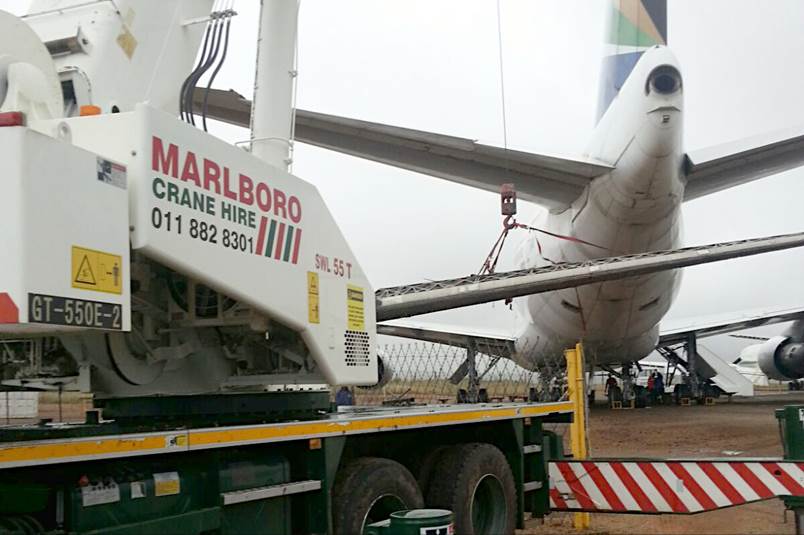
(84, 274)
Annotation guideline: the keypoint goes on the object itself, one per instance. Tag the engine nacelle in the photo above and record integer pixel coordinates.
(781, 359)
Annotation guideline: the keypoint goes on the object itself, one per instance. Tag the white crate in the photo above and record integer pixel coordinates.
(19, 405)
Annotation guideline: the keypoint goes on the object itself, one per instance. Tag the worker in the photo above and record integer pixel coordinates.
(344, 397)
(650, 385)
(658, 388)
(610, 382)
(608, 390)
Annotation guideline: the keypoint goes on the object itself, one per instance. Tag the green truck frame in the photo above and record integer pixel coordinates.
(335, 473)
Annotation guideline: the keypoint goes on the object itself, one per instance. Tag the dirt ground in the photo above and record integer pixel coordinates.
(747, 426)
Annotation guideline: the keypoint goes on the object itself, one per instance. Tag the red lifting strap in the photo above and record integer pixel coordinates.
(553, 234)
(510, 223)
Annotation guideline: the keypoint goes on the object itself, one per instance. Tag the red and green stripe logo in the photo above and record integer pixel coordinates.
(278, 240)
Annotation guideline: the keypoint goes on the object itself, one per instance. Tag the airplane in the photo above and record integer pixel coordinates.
(777, 358)
(623, 195)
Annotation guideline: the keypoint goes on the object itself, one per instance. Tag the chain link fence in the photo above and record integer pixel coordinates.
(471, 371)
(432, 373)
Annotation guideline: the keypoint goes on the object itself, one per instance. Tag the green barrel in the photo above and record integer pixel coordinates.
(791, 424)
(414, 522)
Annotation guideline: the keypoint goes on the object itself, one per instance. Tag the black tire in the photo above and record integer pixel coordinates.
(368, 490)
(425, 466)
(475, 482)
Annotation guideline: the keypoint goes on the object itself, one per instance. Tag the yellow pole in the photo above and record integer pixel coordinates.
(577, 395)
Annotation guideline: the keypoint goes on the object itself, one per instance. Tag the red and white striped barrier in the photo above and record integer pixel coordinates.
(670, 486)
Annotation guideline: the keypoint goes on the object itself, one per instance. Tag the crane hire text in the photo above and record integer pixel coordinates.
(209, 176)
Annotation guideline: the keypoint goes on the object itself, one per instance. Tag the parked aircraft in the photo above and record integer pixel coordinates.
(623, 195)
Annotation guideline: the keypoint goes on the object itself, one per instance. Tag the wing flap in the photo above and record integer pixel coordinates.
(731, 164)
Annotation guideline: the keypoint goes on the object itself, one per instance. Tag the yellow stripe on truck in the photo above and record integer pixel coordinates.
(330, 427)
(80, 448)
(22, 454)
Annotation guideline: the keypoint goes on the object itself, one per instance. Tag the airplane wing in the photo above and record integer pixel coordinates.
(548, 180)
(713, 326)
(728, 379)
(433, 296)
(676, 334)
(731, 164)
(490, 344)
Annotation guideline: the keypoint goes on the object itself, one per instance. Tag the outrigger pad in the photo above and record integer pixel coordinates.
(212, 409)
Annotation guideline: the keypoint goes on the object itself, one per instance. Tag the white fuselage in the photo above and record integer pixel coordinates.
(634, 208)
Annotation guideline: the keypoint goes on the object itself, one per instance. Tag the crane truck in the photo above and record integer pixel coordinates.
(205, 297)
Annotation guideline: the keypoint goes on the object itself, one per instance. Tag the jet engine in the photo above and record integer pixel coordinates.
(781, 358)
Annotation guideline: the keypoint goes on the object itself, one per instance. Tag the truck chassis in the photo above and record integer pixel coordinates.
(326, 475)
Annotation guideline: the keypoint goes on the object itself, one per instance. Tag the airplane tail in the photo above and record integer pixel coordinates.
(633, 27)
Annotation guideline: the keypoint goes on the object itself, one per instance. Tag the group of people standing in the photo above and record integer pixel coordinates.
(654, 387)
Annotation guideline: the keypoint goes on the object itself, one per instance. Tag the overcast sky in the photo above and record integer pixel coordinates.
(433, 65)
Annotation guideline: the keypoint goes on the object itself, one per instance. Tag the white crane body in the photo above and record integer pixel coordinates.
(165, 259)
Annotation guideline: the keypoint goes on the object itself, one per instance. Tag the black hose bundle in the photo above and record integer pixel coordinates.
(215, 72)
(201, 61)
(217, 32)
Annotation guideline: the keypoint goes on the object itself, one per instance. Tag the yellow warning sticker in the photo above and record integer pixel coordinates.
(96, 270)
(312, 298)
(167, 484)
(355, 310)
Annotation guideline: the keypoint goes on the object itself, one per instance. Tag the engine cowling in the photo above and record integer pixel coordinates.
(781, 358)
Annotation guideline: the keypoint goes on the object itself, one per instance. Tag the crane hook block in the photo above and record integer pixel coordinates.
(508, 200)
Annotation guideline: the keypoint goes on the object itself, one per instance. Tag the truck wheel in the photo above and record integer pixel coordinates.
(475, 482)
(368, 490)
(426, 465)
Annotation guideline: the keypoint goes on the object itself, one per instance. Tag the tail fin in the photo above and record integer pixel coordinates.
(633, 27)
